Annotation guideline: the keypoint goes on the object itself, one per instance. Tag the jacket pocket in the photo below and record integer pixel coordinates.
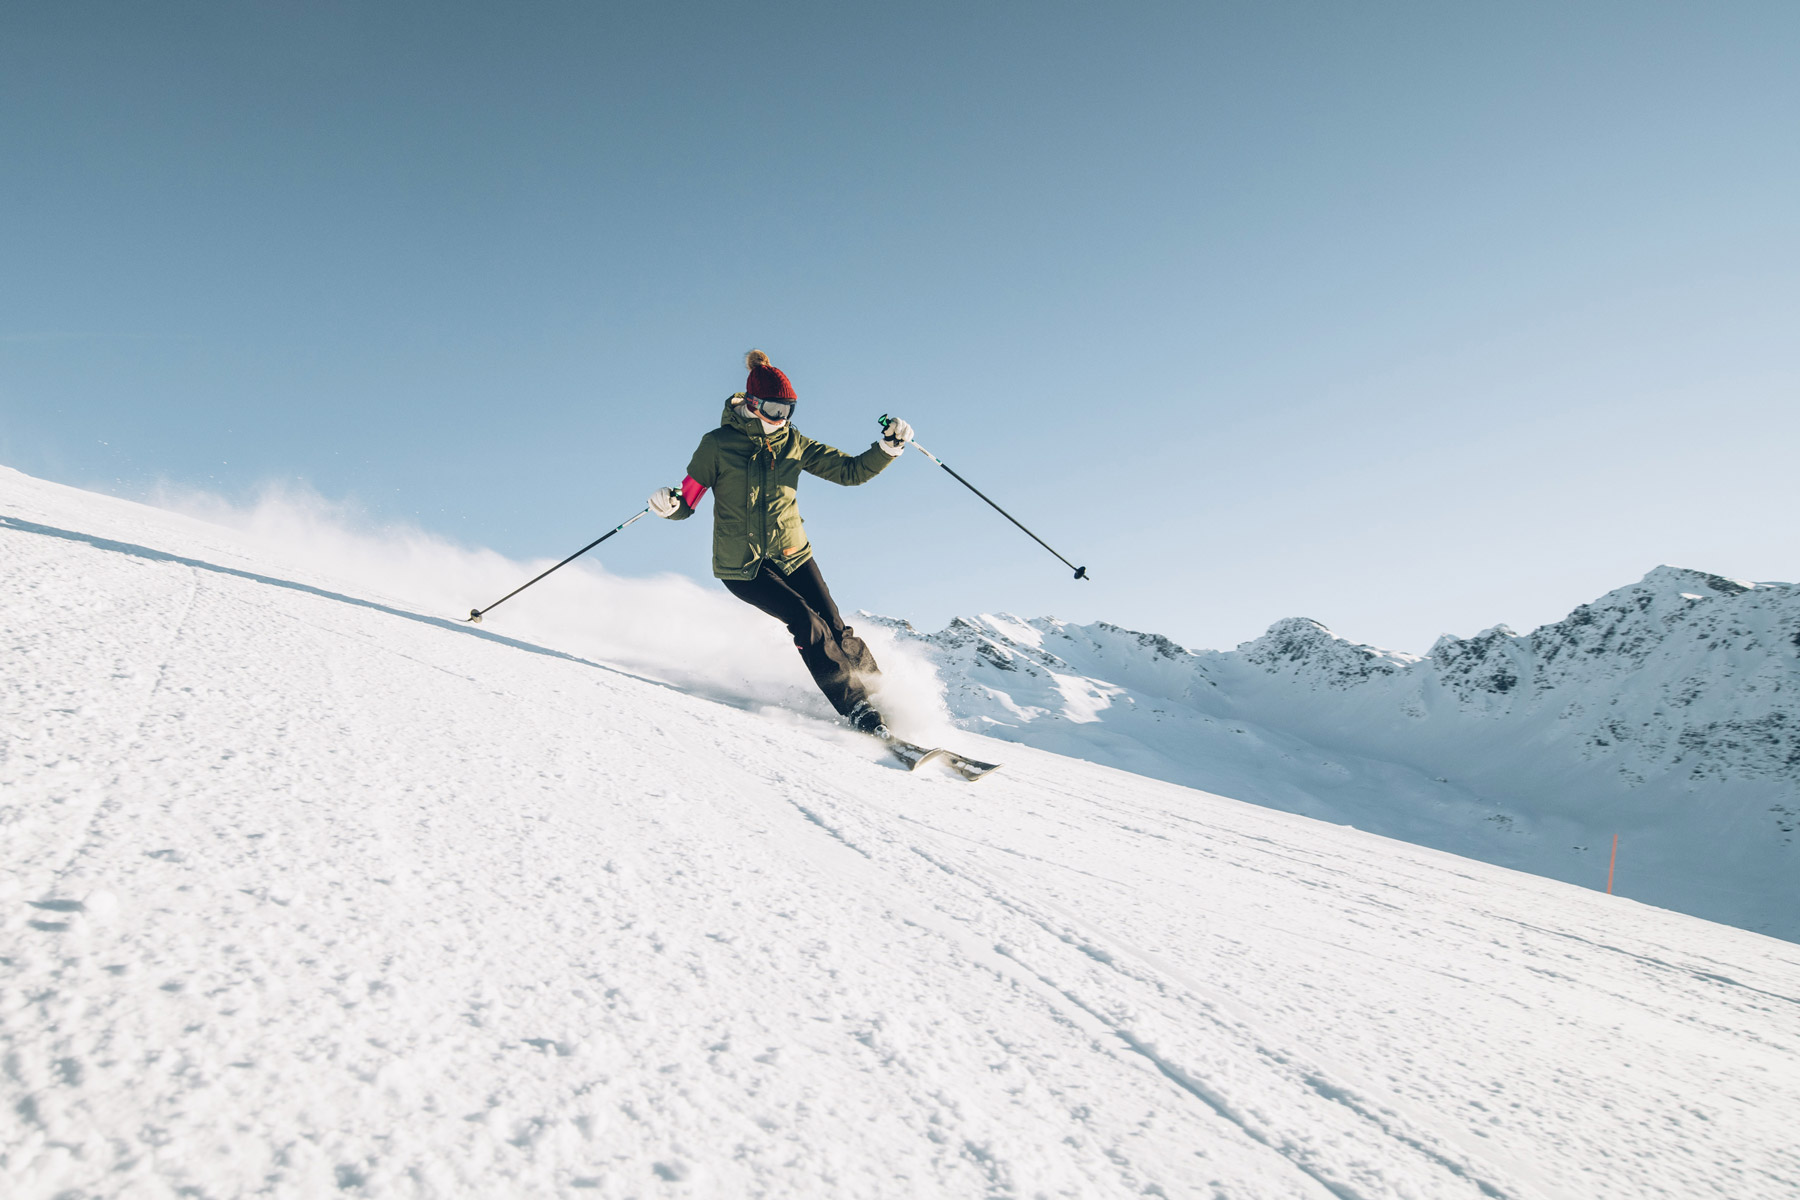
(733, 558)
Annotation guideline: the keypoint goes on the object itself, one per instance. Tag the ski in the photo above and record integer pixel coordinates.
(917, 756)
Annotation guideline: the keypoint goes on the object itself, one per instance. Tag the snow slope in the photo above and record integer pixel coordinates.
(309, 893)
(1666, 712)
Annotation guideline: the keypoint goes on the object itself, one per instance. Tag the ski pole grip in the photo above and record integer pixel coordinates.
(884, 420)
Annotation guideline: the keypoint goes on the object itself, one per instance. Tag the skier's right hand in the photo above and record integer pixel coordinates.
(665, 502)
(894, 436)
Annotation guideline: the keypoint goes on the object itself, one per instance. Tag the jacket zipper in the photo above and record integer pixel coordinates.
(763, 498)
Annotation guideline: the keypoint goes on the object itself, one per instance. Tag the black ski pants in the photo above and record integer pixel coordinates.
(840, 662)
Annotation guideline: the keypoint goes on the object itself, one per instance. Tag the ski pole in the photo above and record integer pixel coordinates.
(1080, 572)
(475, 614)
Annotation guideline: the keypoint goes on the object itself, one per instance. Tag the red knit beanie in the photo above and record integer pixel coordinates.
(766, 382)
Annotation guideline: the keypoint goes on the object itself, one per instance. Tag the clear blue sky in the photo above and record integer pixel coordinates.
(1406, 317)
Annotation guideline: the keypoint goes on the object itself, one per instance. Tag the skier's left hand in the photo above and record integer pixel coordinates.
(895, 436)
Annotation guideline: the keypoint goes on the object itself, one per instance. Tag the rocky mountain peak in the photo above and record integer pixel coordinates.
(1302, 646)
(1665, 580)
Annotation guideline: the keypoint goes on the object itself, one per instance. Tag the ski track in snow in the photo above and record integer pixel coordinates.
(307, 895)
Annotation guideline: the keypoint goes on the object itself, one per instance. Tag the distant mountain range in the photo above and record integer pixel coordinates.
(1667, 712)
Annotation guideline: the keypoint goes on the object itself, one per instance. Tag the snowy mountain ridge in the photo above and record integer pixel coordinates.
(1684, 674)
(1667, 710)
(1707, 670)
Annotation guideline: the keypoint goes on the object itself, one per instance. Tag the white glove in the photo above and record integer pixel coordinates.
(665, 502)
(894, 437)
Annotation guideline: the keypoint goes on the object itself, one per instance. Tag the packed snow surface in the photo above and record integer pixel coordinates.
(311, 892)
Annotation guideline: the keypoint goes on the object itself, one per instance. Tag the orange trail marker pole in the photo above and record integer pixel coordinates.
(1612, 864)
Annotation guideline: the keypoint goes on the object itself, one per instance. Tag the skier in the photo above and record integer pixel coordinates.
(752, 463)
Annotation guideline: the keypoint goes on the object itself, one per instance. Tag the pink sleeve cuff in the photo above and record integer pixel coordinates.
(691, 491)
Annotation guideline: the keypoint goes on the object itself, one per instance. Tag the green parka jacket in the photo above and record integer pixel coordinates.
(752, 476)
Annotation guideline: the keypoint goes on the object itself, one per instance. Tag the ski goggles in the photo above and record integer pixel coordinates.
(770, 410)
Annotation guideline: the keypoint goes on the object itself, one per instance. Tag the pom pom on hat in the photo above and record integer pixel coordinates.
(766, 382)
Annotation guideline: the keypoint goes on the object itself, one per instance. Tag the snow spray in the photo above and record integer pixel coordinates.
(666, 627)
(475, 614)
